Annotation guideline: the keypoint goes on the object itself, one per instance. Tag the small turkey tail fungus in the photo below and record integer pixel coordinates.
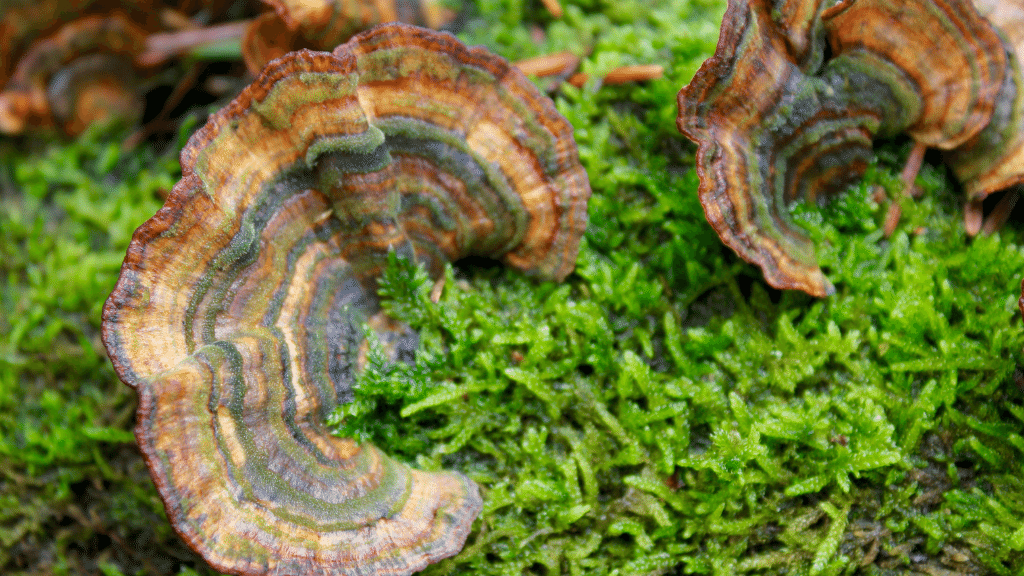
(69, 64)
(80, 75)
(323, 24)
(240, 307)
(797, 90)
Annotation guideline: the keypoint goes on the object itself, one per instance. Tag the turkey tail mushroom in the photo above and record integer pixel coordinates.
(768, 132)
(950, 54)
(239, 310)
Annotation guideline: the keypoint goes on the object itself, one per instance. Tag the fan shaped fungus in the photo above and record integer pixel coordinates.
(238, 313)
(23, 21)
(776, 116)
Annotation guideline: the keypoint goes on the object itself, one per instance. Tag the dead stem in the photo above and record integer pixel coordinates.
(554, 7)
(912, 167)
(973, 217)
(892, 218)
(549, 64)
(163, 46)
(623, 74)
(907, 176)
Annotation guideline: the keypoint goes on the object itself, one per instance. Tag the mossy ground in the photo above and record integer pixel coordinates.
(661, 412)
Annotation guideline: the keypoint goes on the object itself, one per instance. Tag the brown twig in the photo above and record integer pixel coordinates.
(554, 7)
(907, 176)
(635, 73)
(911, 169)
(549, 64)
(163, 46)
(435, 292)
(892, 218)
(623, 74)
(562, 63)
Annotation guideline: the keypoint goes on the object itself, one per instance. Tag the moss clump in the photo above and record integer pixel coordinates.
(75, 496)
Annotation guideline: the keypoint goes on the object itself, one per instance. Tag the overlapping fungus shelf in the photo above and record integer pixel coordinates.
(323, 24)
(795, 94)
(240, 306)
(912, 42)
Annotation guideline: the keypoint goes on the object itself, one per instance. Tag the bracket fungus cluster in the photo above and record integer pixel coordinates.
(240, 307)
(797, 91)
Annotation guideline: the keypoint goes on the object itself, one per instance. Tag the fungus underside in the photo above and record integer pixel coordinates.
(661, 411)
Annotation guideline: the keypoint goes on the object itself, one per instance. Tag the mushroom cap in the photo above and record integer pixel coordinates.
(240, 307)
(95, 89)
(22, 21)
(775, 121)
(267, 38)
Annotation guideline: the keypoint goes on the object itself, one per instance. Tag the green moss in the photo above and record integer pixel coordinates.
(76, 496)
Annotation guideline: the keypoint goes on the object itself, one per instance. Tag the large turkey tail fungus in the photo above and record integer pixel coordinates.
(239, 310)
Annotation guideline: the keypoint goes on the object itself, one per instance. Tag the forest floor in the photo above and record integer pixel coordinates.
(663, 411)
